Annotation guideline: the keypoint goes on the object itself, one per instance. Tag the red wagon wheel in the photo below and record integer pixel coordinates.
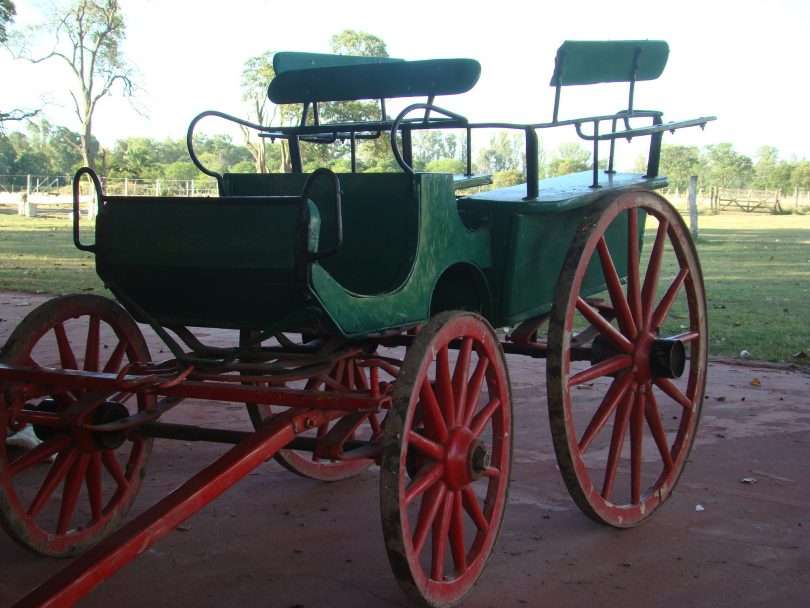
(351, 374)
(645, 372)
(99, 475)
(447, 448)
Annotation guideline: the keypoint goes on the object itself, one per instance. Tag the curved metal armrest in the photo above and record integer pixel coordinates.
(428, 107)
(77, 180)
(190, 138)
(330, 175)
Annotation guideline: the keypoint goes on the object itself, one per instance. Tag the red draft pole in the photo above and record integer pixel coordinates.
(83, 575)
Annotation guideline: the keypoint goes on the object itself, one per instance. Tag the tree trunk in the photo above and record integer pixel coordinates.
(88, 153)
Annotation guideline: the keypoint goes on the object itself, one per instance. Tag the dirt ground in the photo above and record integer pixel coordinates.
(278, 540)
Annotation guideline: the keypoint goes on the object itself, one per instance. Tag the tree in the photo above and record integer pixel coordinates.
(727, 168)
(678, 163)
(256, 76)
(505, 152)
(352, 42)
(88, 40)
(569, 158)
(7, 12)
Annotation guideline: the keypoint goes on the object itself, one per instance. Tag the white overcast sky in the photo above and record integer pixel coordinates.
(745, 61)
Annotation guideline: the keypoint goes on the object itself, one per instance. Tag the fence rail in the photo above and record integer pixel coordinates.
(52, 194)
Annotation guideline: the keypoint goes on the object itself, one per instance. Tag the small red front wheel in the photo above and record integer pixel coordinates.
(447, 448)
(360, 373)
(624, 408)
(76, 486)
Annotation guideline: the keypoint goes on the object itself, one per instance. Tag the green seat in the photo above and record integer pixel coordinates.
(380, 223)
(310, 77)
(211, 262)
(591, 62)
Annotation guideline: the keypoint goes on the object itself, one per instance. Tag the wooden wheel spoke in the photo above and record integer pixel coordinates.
(39, 454)
(633, 278)
(376, 428)
(616, 443)
(116, 358)
(474, 390)
(460, 379)
(428, 448)
(603, 326)
(481, 419)
(434, 420)
(604, 368)
(473, 509)
(110, 461)
(66, 356)
(457, 534)
(636, 445)
(441, 532)
(55, 475)
(433, 500)
(653, 270)
(424, 481)
(657, 430)
(93, 481)
(669, 388)
(444, 387)
(92, 344)
(617, 391)
(615, 290)
(70, 494)
(668, 299)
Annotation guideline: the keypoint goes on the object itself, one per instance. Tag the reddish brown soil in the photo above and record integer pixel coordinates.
(282, 541)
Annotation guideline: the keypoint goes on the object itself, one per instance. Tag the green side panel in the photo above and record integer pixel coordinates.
(215, 262)
(589, 62)
(530, 238)
(375, 81)
(380, 223)
(535, 256)
(287, 61)
(442, 242)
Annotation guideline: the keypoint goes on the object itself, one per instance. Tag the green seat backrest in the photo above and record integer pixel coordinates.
(307, 78)
(289, 61)
(590, 62)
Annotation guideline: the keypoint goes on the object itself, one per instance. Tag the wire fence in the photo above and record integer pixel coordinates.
(56, 185)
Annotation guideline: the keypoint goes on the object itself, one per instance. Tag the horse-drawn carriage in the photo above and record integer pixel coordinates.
(362, 308)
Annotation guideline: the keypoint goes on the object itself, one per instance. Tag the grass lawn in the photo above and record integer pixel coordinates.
(756, 268)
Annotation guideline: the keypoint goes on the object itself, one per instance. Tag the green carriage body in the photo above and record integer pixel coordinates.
(411, 248)
(254, 258)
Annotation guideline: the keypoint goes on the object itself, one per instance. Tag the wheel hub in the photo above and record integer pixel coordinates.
(466, 459)
(109, 411)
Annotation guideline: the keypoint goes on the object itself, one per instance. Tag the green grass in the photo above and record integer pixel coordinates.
(756, 268)
(757, 273)
(37, 256)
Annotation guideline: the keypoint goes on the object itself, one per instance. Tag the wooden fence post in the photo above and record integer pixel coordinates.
(693, 214)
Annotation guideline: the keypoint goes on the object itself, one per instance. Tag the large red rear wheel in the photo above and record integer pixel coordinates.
(644, 373)
(76, 486)
(447, 448)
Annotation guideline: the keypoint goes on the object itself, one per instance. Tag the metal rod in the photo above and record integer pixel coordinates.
(595, 183)
(532, 165)
(186, 432)
(214, 391)
(469, 152)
